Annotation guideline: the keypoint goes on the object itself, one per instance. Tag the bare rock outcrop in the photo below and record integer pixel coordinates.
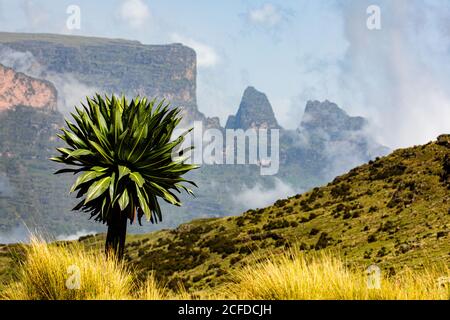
(19, 89)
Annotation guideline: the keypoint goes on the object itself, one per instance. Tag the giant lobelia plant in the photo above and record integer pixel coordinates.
(123, 152)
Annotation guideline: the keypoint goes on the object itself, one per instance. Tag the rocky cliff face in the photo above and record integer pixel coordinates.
(29, 122)
(29, 191)
(325, 122)
(327, 118)
(19, 89)
(329, 141)
(117, 66)
(254, 111)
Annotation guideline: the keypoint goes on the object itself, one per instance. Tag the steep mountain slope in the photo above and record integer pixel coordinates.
(328, 127)
(329, 119)
(130, 67)
(19, 89)
(29, 119)
(254, 112)
(328, 142)
(112, 65)
(394, 211)
(29, 193)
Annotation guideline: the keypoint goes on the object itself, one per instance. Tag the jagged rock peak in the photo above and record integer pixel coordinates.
(255, 111)
(327, 116)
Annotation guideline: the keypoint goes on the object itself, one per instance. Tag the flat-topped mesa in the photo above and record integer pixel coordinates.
(117, 66)
(254, 111)
(329, 118)
(19, 89)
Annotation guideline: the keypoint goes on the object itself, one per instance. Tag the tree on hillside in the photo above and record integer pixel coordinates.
(122, 152)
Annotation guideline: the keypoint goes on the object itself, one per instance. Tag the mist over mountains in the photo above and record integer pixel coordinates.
(326, 143)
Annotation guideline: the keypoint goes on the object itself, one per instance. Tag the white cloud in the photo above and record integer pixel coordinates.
(267, 15)
(134, 12)
(260, 197)
(74, 236)
(2, 14)
(398, 75)
(282, 107)
(20, 61)
(19, 234)
(70, 90)
(206, 55)
(36, 16)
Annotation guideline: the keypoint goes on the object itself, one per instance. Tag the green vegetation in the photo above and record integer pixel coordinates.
(400, 220)
(70, 272)
(124, 153)
(114, 65)
(31, 194)
(46, 269)
(40, 199)
(409, 234)
(295, 276)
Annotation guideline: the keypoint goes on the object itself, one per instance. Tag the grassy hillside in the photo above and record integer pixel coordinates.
(289, 276)
(394, 212)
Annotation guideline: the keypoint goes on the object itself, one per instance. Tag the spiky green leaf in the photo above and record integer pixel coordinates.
(85, 177)
(97, 189)
(124, 147)
(124, 200)
(137, 178)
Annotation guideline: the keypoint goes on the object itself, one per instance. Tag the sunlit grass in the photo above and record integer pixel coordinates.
(70, 272)
(52, 271)
(294, 276)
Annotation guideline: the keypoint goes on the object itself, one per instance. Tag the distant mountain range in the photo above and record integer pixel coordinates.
(44, 74)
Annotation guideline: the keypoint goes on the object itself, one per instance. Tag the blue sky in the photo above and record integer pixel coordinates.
(293, 51)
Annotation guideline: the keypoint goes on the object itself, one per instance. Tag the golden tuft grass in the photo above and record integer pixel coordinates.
(294, 276)
(68, 272)
(51, 272)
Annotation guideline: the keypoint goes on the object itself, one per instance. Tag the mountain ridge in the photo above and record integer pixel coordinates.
(393, 212)
(255, 111)
(115, 65)
(330, 118)
(302, 165)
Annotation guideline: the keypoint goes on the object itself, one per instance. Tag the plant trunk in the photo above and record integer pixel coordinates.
(117, 232)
